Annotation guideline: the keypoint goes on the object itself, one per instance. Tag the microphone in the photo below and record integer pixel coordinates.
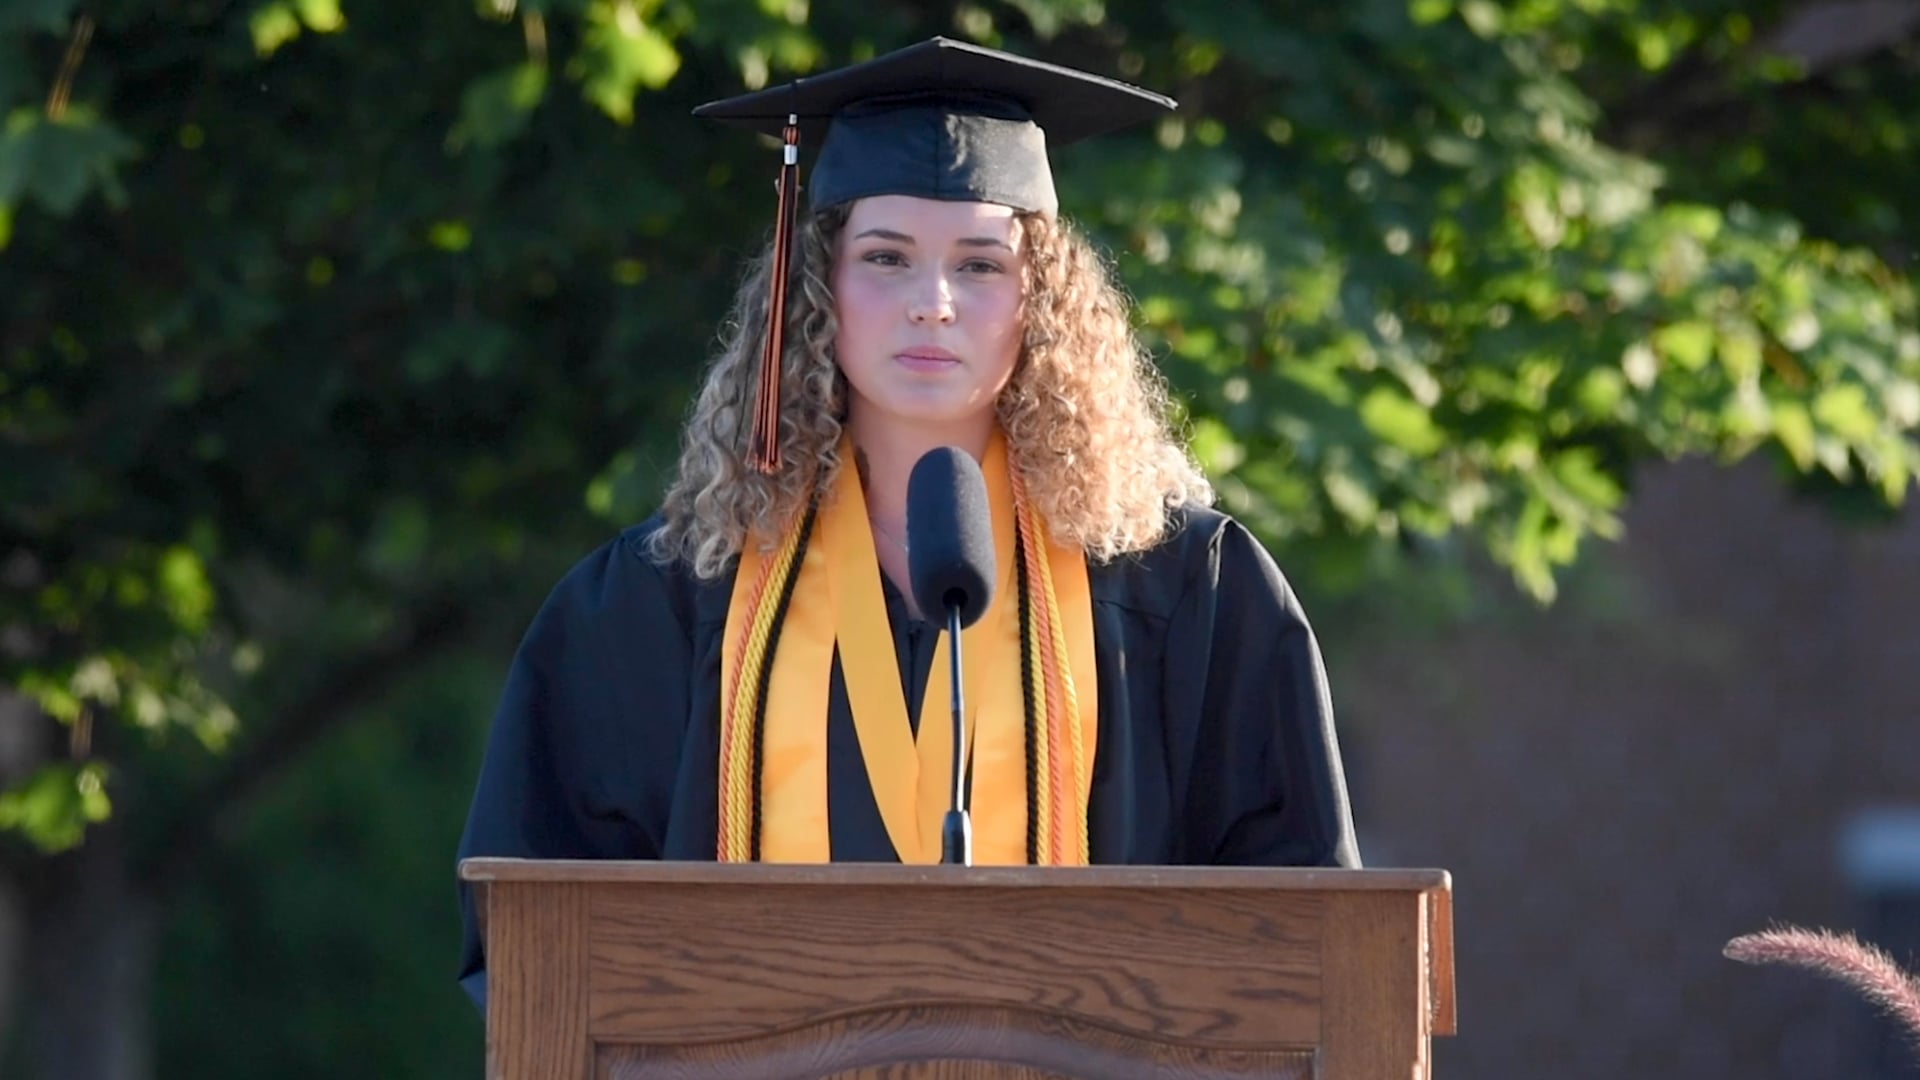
(950, 564)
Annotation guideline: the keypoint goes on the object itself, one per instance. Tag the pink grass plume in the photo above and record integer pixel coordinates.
(1839, 956)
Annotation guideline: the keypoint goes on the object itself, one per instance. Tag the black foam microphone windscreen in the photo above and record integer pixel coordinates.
(949, 535)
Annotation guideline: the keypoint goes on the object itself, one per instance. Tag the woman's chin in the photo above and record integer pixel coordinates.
(926, 411)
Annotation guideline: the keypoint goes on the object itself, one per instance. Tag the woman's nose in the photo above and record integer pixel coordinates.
(932, 302)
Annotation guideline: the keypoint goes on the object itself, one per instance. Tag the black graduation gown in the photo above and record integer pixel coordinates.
(1216, 742)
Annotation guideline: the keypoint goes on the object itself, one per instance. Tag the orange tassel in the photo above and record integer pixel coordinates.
(764, 450)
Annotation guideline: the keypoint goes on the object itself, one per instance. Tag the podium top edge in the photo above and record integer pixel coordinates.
(1261, 878)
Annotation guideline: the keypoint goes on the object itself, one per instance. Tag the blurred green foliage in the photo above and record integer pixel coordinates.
(335, 331)
(318, 939)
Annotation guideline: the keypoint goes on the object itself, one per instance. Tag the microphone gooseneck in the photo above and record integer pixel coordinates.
(956, 830)
(950, 561)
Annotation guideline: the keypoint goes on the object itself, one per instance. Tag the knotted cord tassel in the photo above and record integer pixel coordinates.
(764, 450)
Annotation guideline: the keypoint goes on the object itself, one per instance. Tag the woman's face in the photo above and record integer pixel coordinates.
(928, 298)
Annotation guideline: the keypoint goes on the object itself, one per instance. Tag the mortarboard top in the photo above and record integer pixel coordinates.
(942, 119)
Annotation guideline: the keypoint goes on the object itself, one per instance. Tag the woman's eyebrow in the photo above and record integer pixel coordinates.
(897, 237)
(885, 234)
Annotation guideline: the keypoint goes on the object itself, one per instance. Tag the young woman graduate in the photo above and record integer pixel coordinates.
(746, 675)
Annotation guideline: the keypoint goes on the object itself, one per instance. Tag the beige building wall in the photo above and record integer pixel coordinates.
(1666, 760)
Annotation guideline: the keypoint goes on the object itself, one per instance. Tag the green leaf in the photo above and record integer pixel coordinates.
(1654, 46)
(450, 236)
(621, 54)
(1215, 447)
(1846, 411)
(1428, 12)
(321, 16)
(1794, 428)
(1688, 344)
(1484, 17)
(1698, 222)
(1601, 392)
(1896, 469)
(1401, 421)
(54, 805)
(273, 26)
(1901, 402)
(1579, 472)
(57, 163)
(495, 108)
(1050, 16)
(1741, 353)
(1351, 496)
(1527, 551)
(788, 11)
(185, 589)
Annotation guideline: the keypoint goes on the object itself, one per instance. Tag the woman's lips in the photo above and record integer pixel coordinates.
(926, 358)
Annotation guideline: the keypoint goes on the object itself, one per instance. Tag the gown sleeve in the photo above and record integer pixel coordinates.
(1268, 786)
(595, 695)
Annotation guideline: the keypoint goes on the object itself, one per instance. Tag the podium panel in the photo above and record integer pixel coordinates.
(651, 970)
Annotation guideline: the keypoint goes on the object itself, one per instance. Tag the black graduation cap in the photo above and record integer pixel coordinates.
(942, 119)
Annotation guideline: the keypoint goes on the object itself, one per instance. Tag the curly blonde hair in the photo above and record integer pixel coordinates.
(1086, 414)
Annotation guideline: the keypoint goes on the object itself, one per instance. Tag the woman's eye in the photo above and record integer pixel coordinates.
(980, 266)
(883, 258)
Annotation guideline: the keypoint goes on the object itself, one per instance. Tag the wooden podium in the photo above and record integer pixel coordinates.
(627, 969)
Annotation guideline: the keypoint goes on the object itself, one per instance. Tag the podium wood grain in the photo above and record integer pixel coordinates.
(537, 952)
(939, 973)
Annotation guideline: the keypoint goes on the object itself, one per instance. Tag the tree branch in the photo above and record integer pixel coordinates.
(431, 629)
(69, 66)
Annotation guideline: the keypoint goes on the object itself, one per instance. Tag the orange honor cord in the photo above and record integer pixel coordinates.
(764, 449)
